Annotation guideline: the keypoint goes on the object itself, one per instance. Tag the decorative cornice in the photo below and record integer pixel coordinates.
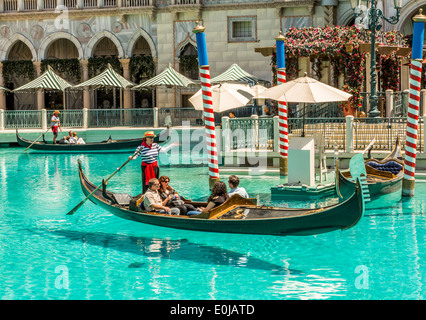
(83, 13)
(153, 10)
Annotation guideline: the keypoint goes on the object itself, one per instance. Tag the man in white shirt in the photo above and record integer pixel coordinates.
(233, 182)
(152, 200)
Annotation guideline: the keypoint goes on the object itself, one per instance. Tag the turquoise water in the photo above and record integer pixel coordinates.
(45, 254)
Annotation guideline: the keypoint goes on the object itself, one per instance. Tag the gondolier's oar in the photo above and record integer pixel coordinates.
(106, 180)
(37, 139)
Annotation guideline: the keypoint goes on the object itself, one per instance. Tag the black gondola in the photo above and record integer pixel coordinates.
(107, 145)
(383, 176)
(237, 215)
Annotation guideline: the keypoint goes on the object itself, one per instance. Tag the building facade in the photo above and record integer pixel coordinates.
(39, 30)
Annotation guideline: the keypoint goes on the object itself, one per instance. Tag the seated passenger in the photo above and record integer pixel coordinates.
(233, 182)
(65, 139)
(153, 202)
(217, 197)
(73, 138)
(175, 202)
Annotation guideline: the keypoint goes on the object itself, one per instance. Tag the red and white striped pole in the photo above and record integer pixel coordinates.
(206, 90)
(408, 180)
(282, 107)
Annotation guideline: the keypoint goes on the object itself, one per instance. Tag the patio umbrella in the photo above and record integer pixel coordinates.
(305, 90)
(258, 89)
(225, 96)
(48, 80)
(108, 78)
(235, 74)
(168, 77)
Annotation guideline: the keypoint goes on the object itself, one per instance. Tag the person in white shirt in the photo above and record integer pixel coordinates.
(233, 182)
(73, 138)
(55, 123)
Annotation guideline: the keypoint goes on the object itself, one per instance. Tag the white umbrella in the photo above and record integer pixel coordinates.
(258, 89)
(305, 90)
(225, 96)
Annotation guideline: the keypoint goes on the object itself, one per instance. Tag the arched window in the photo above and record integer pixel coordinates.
(188, 64)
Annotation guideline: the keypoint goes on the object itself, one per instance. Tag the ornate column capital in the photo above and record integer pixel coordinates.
(125, 63)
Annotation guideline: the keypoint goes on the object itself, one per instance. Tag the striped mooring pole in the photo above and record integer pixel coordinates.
(206, 90)
(282, 107)
(408, 180)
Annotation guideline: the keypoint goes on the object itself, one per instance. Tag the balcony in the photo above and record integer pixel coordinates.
(21, 6)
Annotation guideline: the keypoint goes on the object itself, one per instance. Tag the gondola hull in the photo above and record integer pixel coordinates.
(379, 182)
(376, 189)
(252, 219)
(108, 145)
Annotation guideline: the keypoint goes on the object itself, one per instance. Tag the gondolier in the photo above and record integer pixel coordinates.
(55, 124)
(149, 151)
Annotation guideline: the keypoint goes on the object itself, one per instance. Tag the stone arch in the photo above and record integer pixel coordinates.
(183, 44)
(345, 18)
(95, 39)
(408, 10)
(5, 49)
(42, 51)
(132, 41)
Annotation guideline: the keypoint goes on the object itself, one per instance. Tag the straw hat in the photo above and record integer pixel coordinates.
(56, 111)
(149, 134)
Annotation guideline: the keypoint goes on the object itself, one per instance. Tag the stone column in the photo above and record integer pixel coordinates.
(127, 93)
(349, 134)
(86, 90)
(2, 92)
(40, 92)
(389, 103)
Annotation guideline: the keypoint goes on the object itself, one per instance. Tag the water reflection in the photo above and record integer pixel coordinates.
(177, 250)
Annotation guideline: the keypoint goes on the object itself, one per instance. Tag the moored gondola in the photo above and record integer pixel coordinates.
(107, 145)
(237, 215)
(383, 176)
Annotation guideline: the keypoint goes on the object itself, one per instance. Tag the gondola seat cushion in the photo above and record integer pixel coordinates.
(122, 199)
(136, 204)
(390, 166)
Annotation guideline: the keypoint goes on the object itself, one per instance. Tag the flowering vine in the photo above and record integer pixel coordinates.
(339, 45)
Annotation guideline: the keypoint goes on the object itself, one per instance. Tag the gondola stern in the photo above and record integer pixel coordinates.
(361, 205)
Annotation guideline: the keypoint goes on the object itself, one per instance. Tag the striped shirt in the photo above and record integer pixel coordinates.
(148, 155)
(54, 121)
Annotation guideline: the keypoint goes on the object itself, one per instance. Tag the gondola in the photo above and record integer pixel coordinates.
(383, 176)
(237, 215)
(107, 145)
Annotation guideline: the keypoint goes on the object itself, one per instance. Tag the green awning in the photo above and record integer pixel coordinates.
(168, 77)
(108, 78)
(48, 80)
(236, 74)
